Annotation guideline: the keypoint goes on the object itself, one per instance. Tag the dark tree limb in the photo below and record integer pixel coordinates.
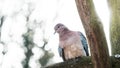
(95, 34)
(83, 62)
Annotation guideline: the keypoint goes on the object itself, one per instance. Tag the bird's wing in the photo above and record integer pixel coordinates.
(84, 43)
(61, 53)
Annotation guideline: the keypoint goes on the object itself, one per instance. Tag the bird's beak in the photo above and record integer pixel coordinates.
(55, 32)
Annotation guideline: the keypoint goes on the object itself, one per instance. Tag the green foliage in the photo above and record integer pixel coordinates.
(44, 60)
(28, 42)
(28, 38)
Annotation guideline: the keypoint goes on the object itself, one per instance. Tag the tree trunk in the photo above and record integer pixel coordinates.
(115, 26)
(95, 34)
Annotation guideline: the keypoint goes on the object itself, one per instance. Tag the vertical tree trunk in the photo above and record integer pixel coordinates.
(95, 34)
(115, 26)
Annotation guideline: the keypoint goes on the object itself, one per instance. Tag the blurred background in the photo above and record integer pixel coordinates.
(27, 37)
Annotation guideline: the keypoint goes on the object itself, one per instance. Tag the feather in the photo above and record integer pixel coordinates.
(84, 43)
(61, 53)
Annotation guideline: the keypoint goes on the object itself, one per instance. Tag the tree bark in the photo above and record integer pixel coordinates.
(115, 26)
(83, 62)
(95, 34)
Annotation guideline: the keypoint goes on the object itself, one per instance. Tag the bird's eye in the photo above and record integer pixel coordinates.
(58, 26)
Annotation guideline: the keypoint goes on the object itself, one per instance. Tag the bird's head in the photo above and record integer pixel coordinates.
(59, 28)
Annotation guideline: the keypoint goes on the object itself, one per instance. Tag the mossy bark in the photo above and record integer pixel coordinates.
(84, 62)
(95, 34)
(115, 26)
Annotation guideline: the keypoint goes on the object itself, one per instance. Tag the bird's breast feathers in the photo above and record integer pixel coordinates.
(72, 46)
(70, 39)
(73, 51)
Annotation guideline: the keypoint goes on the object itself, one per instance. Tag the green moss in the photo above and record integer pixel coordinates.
(83, 62)
(115, 26)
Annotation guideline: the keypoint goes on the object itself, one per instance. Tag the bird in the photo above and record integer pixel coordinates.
(72, 44)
